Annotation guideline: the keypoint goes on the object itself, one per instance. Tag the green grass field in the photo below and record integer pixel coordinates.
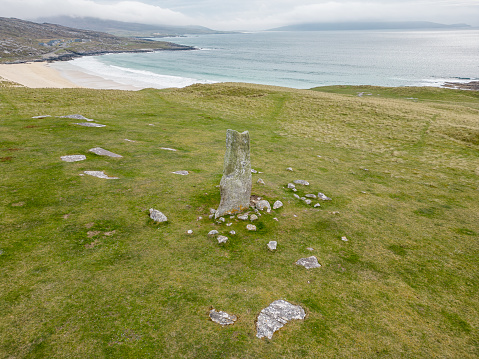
(86, 273)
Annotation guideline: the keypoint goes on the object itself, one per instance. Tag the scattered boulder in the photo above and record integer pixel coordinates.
(214, 232)
(307, 201)
(251, 227)
(101, 152)
(291, 186)
(168, 149)
(41, 116)
(308, 263)
(310, 195)
(89, 124)
(73, 158)
(236, 183)
(253, 217)
(77, 117)
(275, 316)
(243, 217)
(272, 245)
(260, 181)
(263, 204)
(157, 216)
(222, 318)
(277, 204)
(302, 182)
(344, 239)
(289, 169)
(182, 173)
(99, 174)
(323, 197)
(222, 239)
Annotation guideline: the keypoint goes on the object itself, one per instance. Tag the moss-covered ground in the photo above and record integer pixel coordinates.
(86, 274)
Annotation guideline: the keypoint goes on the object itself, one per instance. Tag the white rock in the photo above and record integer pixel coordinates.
(89, 124)
(73, 158)
(344, 239)
(296, 196)
(317, 205)
(99, 174)
(222, 239)
(189, 231)
(260, 181)
(221, 219)
(291, 186)
(323, 197)
(277, 204)
(253, 217)
(310, 195)
(183, 173)
(275, 316)
(229, 224)
(214, 232)
(272, 245)
(263, 204)
(102, 152)
(276, 219)
(302, 182)
(289, 169)
(222, 318)
(168, 149)
(253, 171)
(307, 201)
(251, 227)
(233, 232)
(157, 216)
(243, 217)
(308, 263)
(212, 210)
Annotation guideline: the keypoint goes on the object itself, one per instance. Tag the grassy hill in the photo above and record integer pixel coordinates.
(22, 41)
(86, 273)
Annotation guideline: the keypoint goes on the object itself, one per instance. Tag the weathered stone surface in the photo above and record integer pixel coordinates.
(157, 216)
(260, 181)
(73, 158)
(275, 316)
(344, 239)
(243, 217)
(168, 149)
(102, 152)
(253, 217)
(182, 173)
(291, 186)
(310, 195)
(99, 174)
(317, 205)
(77, 117)
(272, 245)
(251, 227)
(263, 205)
(222, 239)
(323, 197)
(307, 201)
(214, 232)
(308, 263)
(222, 318)
(236, 183)
(277, 204)
(289, 169)
(302, 182)
(41, 116)
(89, 124)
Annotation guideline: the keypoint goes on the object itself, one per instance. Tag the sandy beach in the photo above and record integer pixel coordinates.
(57, 75)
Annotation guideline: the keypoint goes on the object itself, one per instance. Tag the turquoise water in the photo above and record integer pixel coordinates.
(302, 59)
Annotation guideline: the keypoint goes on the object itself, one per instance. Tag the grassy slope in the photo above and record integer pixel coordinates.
(403, 176)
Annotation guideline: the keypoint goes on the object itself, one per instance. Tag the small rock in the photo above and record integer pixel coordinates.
(101, 152)
(308, 263)
(272, 245)
(222, 318)
(126, 139)
(253, 171)
(276, 219)
(222, 239)
(291, 186)
(229, 224)
(99, 174)
(295, 190)
(296, 196)
(323, 197)
(275, 316)
(183, 173)
(212, 210)
(89, 124)
(243, 217)
(211, 216)
(168, 149)
(41, 116)
(317, 205)
(221, 220)
(335, 212)
(289, 169)
(251, 227)
(310, 195)
(253, 217)
(303, 198)
(263, 204)
(307, 201)
(344, 239)
(157, 216)
(199, 218)
(277, 204)
(214, 232)
(302, 182)
(232, 233)
(73, 158)
(189, 231)
(310, 249)
(260, 181)
(77, 117)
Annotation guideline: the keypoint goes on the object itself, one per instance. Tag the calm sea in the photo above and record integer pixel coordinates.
(301, 59)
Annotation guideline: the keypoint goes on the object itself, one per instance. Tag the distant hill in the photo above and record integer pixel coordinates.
(126, 28)
(22, 41)
(404, 25)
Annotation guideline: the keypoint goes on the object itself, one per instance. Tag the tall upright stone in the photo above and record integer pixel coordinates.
(236, 182)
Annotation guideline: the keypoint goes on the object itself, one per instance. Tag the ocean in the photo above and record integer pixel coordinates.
(300, 59)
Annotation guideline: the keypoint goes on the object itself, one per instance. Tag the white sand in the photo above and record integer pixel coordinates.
(58, 75)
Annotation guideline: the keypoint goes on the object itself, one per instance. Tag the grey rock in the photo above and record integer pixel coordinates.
(302, 182)
(243, 217)
(183, 173)
(260, 181)
(323, 197)
(253, 171)
(222, 239)
(275, 316)
(263, 205)
(233, 232)
(168, 149)
(222, 318)
(214, 232)
(310, 195)
(295, 190)
(89, 124)
(126, 139)
(212, 210)
(77, 117)
(344, 239)
(73, 158)
(101, 152)
(253, 217)
(189, 231)
(307, 201)
(221, 220)
(41, 116)
(99, 174)
(277, 204)
(289, 169)
(251, 227)
(272, 245)
(157, 216)
(296, 196)
(317, 205)
(291, 186)
(236, 183)
(308, 263)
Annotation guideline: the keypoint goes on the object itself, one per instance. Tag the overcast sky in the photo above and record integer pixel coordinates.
(248, 14)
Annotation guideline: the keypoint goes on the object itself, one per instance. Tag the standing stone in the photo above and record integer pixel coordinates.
(235, 185)
(277, 314)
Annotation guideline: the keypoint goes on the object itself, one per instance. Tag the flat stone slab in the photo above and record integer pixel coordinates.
(222, 318)
(222, 239)
(89, 124)
(183, 173)
(302, 182)
(308, 263)
(41, 116)
(99, 174)
(157, 216)
(102, 152)
(73, 158)
(323, 197)
(77, 117)
(168, 149)
(275, 316)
